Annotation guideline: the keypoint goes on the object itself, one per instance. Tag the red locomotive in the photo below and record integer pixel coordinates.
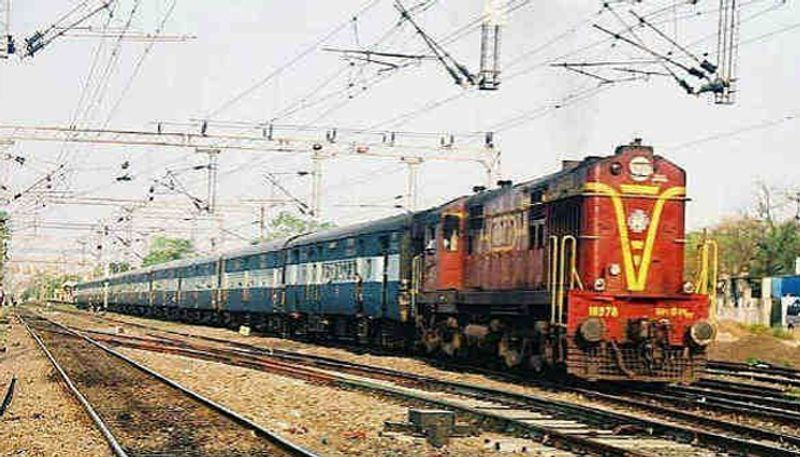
(581, 269)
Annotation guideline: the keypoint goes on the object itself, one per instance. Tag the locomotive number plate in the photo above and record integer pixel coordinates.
(603, 311)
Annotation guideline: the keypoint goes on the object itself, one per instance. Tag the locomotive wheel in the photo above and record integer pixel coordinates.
(430, 341)
(453, 345)
(510, 353)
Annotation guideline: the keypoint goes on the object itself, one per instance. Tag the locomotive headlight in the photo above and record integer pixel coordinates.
(592, 330)
(599, 284)
(640, 168)
(688, 287)
(702, 333)
(614, 269)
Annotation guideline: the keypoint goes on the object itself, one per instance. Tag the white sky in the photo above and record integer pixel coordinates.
(240, 42)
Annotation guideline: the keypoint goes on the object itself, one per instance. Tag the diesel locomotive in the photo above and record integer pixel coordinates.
(579, 271)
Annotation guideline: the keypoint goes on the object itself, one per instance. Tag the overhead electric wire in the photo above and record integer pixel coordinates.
(99, 93)
(737, 131)
(308, 50)
(404, 118)
(139, 63)
(510, 6)
(77, 118)
(539, 112)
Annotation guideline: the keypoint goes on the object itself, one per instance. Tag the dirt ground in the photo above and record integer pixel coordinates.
(741, 343)
(43, 420)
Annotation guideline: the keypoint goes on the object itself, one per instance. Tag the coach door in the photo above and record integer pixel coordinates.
(384, 243)
(451, 252)
(218, 294)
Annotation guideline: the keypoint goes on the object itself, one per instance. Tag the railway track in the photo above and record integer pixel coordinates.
(778, 408)
(720, 396)
(673, 436)
(757, 372)
(141, 413)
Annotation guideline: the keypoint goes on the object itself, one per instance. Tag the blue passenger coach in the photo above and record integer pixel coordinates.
(341, 282)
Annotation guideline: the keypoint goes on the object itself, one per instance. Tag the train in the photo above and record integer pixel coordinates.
(580, 271)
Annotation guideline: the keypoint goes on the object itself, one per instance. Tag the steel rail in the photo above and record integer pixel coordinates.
(727, 406)
(566, 409)
(115, 446)
(764, 399)
(8, 396)
(756, 376)
(741, 387)
(674, 413)
(759, 368)
(285, 445)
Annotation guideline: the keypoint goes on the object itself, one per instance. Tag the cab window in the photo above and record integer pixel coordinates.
(451, 233)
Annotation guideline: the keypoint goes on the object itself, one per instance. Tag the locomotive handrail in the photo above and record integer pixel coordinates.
(566, 240)
(416, 279)
(709, 259)
(553, 276)
(558, 273)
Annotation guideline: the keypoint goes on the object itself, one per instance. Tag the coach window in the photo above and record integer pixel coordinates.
(451, 232)
(350, 247)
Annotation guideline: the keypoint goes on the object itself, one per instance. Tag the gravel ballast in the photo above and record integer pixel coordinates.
(43, 418)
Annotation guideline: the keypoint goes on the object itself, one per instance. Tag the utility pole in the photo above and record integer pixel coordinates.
(3, 250)
(6, 41)
(412, 185)
(83, 252)
(211, 177)
(129, 237)
(727, 51)
(316, 183)
(262, 225)
(490, 45)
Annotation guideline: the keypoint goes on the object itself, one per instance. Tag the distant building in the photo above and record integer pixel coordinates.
(783, 298)
(741, 299)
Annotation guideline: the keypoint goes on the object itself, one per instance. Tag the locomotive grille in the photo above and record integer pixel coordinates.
(603, 362)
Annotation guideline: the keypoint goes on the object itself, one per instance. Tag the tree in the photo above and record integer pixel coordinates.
(762, 242)
(286, 224)
(45, 286)
(164, 249)
(118, 267)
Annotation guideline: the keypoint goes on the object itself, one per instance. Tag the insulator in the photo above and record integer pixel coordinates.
(708, 66)
(696, 73)
(689, 89)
